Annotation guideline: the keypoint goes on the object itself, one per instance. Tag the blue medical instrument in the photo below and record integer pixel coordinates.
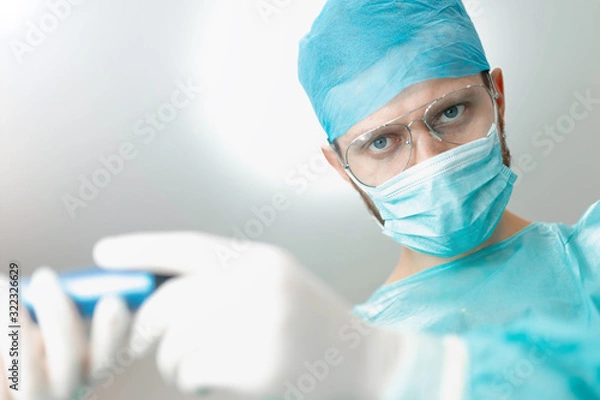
(88, 286)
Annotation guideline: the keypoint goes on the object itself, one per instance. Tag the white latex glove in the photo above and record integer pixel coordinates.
(54, 359)
(260, 325)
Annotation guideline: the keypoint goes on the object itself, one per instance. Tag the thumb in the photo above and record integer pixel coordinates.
(158, 252)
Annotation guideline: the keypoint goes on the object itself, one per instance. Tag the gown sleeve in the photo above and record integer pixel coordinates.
(534, 359)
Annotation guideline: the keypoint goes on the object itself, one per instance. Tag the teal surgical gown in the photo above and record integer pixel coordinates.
(527, 309)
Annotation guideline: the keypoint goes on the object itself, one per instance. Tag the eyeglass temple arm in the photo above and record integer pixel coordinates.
(493, 87)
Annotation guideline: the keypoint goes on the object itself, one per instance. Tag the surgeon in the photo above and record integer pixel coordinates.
(482, 304)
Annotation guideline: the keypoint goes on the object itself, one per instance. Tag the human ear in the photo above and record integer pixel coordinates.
(334, 161)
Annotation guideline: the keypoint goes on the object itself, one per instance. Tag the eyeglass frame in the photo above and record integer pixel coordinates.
(493, 94)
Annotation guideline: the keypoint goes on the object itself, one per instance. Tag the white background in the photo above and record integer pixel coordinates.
(78, 94)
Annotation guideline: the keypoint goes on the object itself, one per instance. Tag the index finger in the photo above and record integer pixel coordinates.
(173, 252)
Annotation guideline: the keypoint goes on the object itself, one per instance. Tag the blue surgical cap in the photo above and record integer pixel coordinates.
(360, 54)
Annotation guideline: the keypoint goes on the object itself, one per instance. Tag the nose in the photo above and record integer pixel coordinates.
(424, 143)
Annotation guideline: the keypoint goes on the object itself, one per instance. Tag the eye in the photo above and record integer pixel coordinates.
(381, 143)
(451, 113)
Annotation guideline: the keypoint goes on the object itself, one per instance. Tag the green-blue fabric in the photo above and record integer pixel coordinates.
(359, 54)
(528, 308)
(535, 358)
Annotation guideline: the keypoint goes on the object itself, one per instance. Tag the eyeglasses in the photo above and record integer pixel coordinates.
(459, 117)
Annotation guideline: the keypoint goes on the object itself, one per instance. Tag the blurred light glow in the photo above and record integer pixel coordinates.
(13, 16)
(255, 107)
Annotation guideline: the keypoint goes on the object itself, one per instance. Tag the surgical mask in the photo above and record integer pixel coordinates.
(448, 204)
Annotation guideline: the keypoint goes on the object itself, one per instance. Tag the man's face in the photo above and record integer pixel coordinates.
(424, 144)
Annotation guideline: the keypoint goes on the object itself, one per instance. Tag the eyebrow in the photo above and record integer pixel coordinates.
(351, 138)
(485, 83)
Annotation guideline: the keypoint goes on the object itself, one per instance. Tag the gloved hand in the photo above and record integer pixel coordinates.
(249, 321)
(54, 357)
